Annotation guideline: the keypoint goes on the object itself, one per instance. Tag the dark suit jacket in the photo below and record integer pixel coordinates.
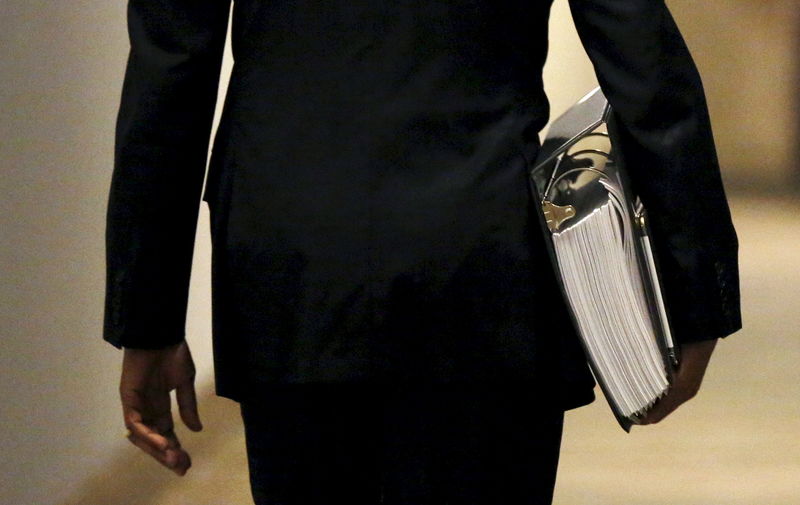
(371, 218)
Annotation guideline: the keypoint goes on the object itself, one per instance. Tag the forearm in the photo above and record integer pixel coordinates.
(162, 137)
(665, 135)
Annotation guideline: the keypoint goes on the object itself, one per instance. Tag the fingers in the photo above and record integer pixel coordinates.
(158, 410)
(149, 420)
(182, 460)
(682, 391)
(662, 409)
(147, 378)
(689, 377)
(667, 404)
(187, 405)
(152, 438)
(132, 408)
(173, 458)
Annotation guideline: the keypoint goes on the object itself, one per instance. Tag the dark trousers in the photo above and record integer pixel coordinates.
(401, 445)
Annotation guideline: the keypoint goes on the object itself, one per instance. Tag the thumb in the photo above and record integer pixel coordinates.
(187, 405)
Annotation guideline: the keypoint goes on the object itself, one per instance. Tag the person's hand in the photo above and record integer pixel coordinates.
(688, 377)
(148, 377)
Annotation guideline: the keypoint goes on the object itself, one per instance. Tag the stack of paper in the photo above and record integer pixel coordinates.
(611, 307)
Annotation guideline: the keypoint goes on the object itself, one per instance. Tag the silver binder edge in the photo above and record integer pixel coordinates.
(593, 99)
(662, 311)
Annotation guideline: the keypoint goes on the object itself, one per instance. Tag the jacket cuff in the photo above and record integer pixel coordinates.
(701, 292)
(120, 338)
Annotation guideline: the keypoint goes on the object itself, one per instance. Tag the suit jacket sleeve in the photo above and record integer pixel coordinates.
(652, 84)
(162, 135)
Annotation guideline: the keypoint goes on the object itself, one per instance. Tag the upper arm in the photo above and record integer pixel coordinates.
(173, 70)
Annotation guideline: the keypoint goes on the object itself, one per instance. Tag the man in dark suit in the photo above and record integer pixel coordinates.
(371, 225)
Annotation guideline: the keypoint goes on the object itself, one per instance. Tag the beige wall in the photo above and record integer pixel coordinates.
(746, 51)
(62, 65)
(568, 74)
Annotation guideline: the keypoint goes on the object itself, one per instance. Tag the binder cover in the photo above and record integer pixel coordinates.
(598, 241)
